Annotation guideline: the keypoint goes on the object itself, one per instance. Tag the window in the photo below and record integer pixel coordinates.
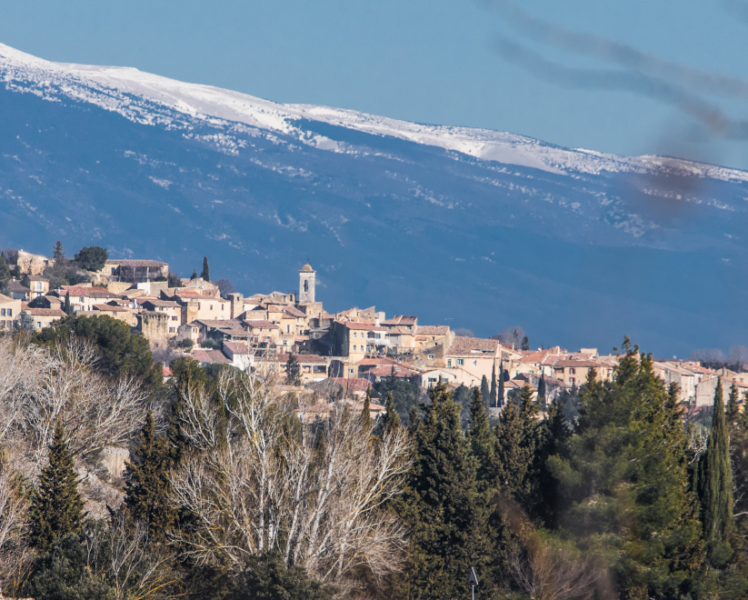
(10, 312)
(460, 362)
(354, 335)
(198, 306)
(350, 371)
(573, 371)
(210, 307)
(475, 363)
(172, 329)
(222, 306)
(573, 381)
(173, 318)
(354, 347)
(2, 312)
(449, 363)
(306, 286)
(431, 357)
(38, 324)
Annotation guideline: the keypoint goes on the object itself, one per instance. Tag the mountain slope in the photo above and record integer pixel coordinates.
(467, 227)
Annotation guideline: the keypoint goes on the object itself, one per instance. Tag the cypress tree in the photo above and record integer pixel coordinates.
(366, 423)
(147, 482)
(732, 410)
(194, 275)
(494, 393)
(205, 275)
(391, 418)
(58, 254)
(715, 485)
(67, 308)
(442, 505)
(56, 506)
(542, 394)
(484, 392)
(501, 393)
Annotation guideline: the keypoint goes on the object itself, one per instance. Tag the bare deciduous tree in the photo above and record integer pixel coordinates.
(260, 480)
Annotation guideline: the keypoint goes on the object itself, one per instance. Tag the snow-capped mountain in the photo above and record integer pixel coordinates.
(468, 227)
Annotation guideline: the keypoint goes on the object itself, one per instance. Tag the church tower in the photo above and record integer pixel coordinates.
(306, 284)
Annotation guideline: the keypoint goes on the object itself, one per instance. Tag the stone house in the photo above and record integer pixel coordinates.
(357, 340)
(44, 317)
(37, 285)
(207, 357)
(430, 379)
(343, 369)
(241, 354)
(262, 331)
(154, 326)
(401, 331)
(471, 359)
(168, 307)
(195, 306)
(10, 311)
(116, 311)
(84, 298)
(18, 291)
(135, 271)
(312, 366)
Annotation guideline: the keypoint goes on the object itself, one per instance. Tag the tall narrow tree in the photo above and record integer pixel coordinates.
(542, 394)
(732, 410)
(715, 485)
(147, 482)
(494, 393)
(480, 438)
(391, 418)
(501, 393)
(366, 422)
(484, 391)
(67, 308)
(56, 506)
(205, 274)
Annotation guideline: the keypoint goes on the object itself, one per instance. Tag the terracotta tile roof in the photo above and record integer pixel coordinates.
(294, 312)
(433, 329)
(467, 346)
(401, 320)
(209, 356)
(360, 326)
(218, 323)
(88, 292)
(237, 347)
(17, 287)
(159, 303)
(166, 371)
(37, 278)
(45, 312)
(109, 308)
(558, 364)
(260, 323)
(303, 358)
(4, 299)
(375, 362)
(534, 357)
(391, 371)
(357, 384)
(136, 263)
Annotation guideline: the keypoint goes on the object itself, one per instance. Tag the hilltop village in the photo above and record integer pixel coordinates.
(352, 348)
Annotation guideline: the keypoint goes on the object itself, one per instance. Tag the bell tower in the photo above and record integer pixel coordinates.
(306, 284)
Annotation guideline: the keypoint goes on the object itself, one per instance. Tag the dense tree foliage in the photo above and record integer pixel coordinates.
(92, 258)
(406, 394)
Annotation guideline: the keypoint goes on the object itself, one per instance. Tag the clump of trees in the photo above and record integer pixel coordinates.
(232, 491)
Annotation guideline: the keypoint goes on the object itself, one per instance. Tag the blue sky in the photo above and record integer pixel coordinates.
(431, 61)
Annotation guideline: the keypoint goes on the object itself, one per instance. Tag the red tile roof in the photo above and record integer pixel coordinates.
(357, 384)
(260, 323)
(45, 312)
(359, 326)
(209, 356)
(433, 329)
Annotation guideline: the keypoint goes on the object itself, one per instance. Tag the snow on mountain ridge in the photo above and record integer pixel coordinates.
(152, 99)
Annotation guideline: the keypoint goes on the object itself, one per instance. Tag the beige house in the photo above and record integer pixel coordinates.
(135, 271)
(471, 359)
(44, 317)
(10, 311)
(312, 367)
(168, 307)
(401, 331)
(357, 340)
(38, 286)
(241, 354)
(198, 306)
(263, 331)
(84, 298)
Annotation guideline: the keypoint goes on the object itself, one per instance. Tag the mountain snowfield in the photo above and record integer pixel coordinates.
(468, 227)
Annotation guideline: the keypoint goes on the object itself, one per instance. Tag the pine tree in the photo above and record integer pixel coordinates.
(366, 422)
(56, 506)
(205, 275)
(67, 308)
(553, 445)
(193, 276)
(542, 394)
(442, 505)
(494, 392)
(501, 393)
(147, 482)
(391, 418)
(625, 483)
(484, 392)
(715, 485)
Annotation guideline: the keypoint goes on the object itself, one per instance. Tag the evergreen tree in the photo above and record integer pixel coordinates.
(501, 393)
(56, 506)
(494, 392)
(293, 370)
(61, 573)
(732, 410)
(205, 274)
(625, 483)
(4, 271)
(542, 394)
(366, 422)
(525, 343)
(391, 418)
(193, 276)
(484, 391)
(553, 444)
(92, 258)
(58, 254)
(715, 485)
(442, 505)
(67, 308)
(481, 442)
(147, 482)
